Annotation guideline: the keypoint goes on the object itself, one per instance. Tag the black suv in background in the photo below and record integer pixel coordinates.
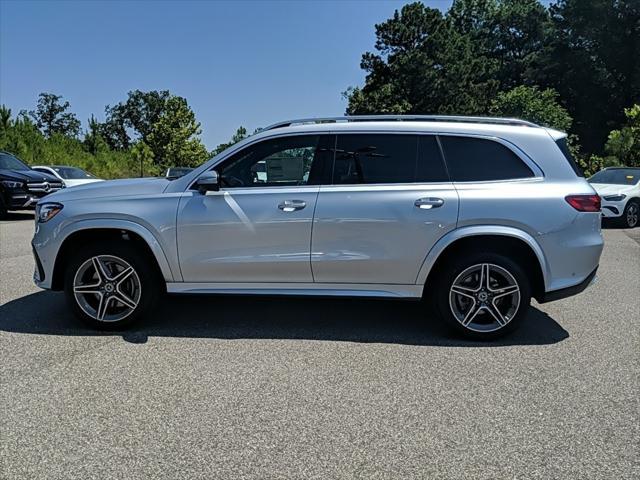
(20, 186)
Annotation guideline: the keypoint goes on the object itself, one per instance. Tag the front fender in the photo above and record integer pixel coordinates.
(120, 224)
(475, 230)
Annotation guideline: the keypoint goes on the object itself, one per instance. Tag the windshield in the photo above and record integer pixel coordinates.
(9, 162)
(617, 176)
(72, 173)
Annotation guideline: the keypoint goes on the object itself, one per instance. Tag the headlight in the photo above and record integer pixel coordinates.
(12, 184)
(46, 211)
(615, 198)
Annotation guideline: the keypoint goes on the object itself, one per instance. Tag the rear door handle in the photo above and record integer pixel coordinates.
(428, 203)
(292, 205)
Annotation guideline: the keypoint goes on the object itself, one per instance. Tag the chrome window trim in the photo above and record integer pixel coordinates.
(271, 134)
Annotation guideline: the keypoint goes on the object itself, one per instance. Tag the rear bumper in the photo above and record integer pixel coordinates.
(569, 291)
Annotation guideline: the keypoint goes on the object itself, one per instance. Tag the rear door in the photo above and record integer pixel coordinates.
(389, 202)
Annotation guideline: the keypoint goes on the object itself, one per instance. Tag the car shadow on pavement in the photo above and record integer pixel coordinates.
(257, 317)
(13, 216)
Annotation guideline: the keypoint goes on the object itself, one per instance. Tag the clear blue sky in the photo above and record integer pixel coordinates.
(237, 63)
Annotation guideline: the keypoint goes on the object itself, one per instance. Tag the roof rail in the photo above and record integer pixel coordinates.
(403, 118)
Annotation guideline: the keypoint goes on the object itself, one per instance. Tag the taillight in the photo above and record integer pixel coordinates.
(584, 203)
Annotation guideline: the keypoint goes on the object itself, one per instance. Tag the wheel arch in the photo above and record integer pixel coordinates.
(83, 232)
(633, 199)
(495, 239)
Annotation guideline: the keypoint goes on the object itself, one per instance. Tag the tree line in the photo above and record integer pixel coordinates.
(574, 66)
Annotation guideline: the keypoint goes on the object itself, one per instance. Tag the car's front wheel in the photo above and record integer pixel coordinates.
(631, 215)
(483, 295)
(110, 285)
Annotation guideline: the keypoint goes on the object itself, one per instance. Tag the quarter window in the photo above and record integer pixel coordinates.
(387, 158)
(478, 159)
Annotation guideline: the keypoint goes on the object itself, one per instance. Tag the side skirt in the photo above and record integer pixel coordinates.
(321, 289)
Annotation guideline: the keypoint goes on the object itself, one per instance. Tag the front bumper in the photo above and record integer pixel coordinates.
(569, 291)
(22, 201)
(38, 272)
(612, 209)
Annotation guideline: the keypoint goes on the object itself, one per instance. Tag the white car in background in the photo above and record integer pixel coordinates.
(70, 176)
(619, 188)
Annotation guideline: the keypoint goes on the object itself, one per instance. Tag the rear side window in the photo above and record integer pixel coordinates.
(368, 158)
(478, 159)
(564, 148)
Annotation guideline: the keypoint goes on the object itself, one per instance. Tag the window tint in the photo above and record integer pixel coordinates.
(477, 159)
(369, 158)
(284, 161)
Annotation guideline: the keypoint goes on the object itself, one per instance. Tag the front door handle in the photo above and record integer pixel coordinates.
(292, 205)
(428, 203)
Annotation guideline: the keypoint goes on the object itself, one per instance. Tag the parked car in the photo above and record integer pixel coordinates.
(177, 172)
(477, 215)
(22, 187)
(619, 188)
(70, 176)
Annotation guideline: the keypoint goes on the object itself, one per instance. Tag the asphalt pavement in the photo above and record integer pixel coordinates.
(249, 387)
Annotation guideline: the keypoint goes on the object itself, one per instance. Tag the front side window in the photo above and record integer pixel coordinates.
(387, 158)
(283, 161)
(479, 160)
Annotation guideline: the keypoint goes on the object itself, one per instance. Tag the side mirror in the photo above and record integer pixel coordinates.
(208, 182)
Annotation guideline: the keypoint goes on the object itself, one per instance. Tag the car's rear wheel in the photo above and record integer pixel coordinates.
(483, 295)
(631, 214)
(109, 285)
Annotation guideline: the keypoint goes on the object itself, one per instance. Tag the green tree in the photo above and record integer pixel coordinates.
(51, 116)
(139, 113)
(174, 137)
(591, 58)
(507, 34)
(533, 104)
(423, 65)
(164, 122)
(143, 156)
(624, 144)
(5, 118)
(93, 140)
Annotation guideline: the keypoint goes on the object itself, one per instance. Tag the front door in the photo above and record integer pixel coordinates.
(257, 228)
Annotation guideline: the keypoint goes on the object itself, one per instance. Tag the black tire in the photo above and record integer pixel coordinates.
(142, 287)
(466, 270)
(631, 213)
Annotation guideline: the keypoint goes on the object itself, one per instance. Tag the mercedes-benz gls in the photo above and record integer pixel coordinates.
(477, 215)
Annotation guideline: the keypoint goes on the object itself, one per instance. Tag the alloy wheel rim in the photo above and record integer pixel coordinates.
(107, 288)
(484, 297)
(632, 215)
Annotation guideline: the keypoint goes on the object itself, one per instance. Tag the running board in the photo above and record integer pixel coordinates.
(321, 289)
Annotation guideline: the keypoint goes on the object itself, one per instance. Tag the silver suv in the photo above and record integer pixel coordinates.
(477, 215)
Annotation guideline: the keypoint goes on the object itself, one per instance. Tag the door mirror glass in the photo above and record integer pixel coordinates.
(208, 182)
